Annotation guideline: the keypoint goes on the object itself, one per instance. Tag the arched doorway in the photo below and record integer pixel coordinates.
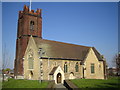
(71, 76)
(59, 78)
(30, 75)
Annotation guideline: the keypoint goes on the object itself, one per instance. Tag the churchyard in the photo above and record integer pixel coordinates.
(80, 83)
(15, 83)
(112, 82)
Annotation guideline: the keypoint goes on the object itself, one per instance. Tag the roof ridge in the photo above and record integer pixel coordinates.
(68, 43)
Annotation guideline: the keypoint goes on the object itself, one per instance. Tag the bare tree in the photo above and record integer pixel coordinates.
(114, 60)
(118, 64)
(5, 59)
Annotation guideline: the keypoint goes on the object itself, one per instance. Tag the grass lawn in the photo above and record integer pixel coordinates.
(0, 84)
(13, 83)
(97, 83)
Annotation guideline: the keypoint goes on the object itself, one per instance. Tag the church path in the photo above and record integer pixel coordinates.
(58, 86)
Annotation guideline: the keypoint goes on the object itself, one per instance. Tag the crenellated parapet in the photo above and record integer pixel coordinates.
(27, 11)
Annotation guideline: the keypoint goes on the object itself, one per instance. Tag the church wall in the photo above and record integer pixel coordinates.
(71, 69)
(98, 67)
(36, 60)
(47, 68)
(101, 69)
(81, 71)
(49, 64)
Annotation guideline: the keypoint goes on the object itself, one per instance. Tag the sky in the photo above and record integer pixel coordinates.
(92, 24)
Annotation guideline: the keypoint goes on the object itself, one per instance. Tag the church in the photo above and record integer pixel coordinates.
(41, 59)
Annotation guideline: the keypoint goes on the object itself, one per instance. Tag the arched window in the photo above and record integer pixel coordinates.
(30, 59)
(32, 25)
(30, 62)
(76, 67)
(65, 67)
(92, 68)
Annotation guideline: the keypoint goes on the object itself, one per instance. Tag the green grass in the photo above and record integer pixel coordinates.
(12, 83)
(0, 84)
(97, 83)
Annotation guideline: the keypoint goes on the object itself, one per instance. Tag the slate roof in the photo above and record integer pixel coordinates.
(55, 49)
(97, 54)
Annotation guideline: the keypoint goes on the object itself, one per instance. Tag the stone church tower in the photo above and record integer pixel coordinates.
(29, 23)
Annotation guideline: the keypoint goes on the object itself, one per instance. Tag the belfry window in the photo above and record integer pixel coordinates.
(76, 67)
(92, 68)
(32, 25)
(65, 67)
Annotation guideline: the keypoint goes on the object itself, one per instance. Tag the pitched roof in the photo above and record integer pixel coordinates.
(53, 70)
(55, 49)
(97, 54)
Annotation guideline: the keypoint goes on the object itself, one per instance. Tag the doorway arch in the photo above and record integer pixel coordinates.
(71, 76)
(30, 75)
(59, 78)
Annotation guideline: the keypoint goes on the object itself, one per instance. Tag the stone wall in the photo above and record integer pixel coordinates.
(49, 64)
(53, 63)
(98, 65)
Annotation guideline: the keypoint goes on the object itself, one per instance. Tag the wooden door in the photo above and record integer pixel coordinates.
(59, 78)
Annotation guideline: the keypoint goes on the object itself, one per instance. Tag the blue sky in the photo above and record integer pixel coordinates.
(89, 24)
